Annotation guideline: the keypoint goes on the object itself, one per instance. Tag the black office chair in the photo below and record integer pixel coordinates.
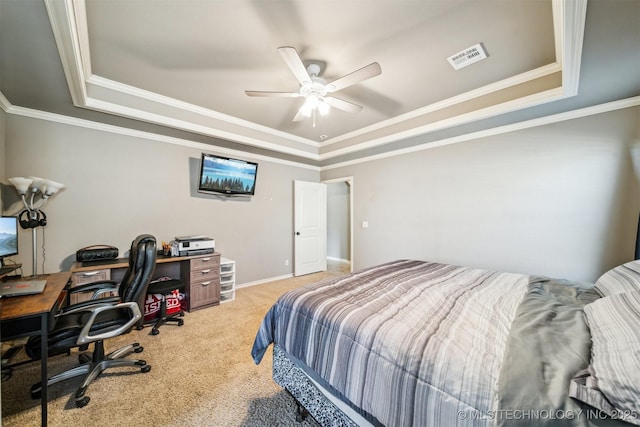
(97, 320)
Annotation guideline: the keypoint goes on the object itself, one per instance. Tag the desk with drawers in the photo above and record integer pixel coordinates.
(200, 275)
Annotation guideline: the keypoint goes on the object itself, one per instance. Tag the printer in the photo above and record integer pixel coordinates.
(195, 245)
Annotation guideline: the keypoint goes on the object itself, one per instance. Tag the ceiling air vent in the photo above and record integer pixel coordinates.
(467, 57)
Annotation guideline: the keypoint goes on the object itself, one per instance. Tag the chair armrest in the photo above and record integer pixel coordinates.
(92, 286)
(85, 336)
(100, 288)
(82, 305)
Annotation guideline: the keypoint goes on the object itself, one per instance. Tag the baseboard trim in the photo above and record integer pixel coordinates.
(260, 282)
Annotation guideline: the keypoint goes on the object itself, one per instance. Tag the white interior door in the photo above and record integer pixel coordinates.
(310, 227)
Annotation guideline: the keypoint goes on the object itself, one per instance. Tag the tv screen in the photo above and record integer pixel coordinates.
(224, 175)
(8, 236)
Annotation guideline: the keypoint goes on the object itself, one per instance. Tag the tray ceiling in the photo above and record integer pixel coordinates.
(187, 64)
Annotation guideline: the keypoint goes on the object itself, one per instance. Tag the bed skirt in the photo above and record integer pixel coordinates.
(292, 378)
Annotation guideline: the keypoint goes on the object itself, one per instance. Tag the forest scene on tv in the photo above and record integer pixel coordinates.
(228, 176)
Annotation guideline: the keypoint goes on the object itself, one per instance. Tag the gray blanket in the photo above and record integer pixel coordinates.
(549, 342)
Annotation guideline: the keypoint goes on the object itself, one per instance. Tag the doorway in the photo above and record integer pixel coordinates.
(340, 225)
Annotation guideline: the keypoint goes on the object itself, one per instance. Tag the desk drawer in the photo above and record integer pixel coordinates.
(203, 275)
(204, 293)
(82, 277)
(206, 262)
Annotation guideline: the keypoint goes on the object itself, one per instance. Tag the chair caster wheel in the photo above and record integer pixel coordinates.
(180, 322)
(36, 391)
(80, 403)
(6, 374)
(85, 358)
(146, 368)
(138, 349)
(141, 362)
(155, 332)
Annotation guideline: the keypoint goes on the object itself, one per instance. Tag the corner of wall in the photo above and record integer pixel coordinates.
(3, 157)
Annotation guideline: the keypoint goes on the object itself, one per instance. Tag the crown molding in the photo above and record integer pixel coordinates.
(69, 23)
(485, 113)
(72, 121)
(177, 123)
(70, 39)
(155, 108)
(569, 18)
(456, 100)
(560, 117)
(119, 130)
(5, 104)
(115, 86)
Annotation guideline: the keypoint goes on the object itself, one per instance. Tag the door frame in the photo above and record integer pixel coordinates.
(349, 181)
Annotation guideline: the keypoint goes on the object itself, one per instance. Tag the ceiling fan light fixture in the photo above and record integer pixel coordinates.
(323, 108)
(309, 105)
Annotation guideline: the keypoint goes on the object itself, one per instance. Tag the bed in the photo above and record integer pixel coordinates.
(416, 343)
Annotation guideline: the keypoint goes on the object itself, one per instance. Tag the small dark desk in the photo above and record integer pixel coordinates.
(33, 314)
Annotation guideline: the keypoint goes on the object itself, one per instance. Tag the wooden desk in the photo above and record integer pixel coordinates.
(200, 275)
(32, 314)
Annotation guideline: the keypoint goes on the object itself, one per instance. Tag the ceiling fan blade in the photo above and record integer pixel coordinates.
(357, 76)
(274, 94)
(341, 104)
(293, 61)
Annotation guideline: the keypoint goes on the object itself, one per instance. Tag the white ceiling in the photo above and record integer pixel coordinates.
(187, 63)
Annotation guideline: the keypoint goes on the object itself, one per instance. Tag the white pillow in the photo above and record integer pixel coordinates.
(623, 278)
(613, 380)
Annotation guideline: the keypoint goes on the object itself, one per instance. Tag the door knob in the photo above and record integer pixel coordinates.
(297, 233)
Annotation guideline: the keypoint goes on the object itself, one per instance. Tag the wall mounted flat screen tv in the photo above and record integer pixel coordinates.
(224, 175)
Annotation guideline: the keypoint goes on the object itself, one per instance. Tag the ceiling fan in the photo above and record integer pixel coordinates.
(315, 89)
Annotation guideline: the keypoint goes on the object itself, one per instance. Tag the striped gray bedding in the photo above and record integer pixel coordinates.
(415, 343)
(429, 335)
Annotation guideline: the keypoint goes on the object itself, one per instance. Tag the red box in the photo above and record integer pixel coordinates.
(175, 302)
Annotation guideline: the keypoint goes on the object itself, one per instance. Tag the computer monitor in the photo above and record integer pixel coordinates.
(8, 237)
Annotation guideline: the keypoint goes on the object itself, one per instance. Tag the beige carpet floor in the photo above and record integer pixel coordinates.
(202, 375)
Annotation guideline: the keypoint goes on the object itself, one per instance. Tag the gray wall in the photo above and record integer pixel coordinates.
(338, 227)
(2, 156)
(558, 200)
(119, 186)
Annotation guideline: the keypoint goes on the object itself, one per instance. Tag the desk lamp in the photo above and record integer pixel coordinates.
(33, 216)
